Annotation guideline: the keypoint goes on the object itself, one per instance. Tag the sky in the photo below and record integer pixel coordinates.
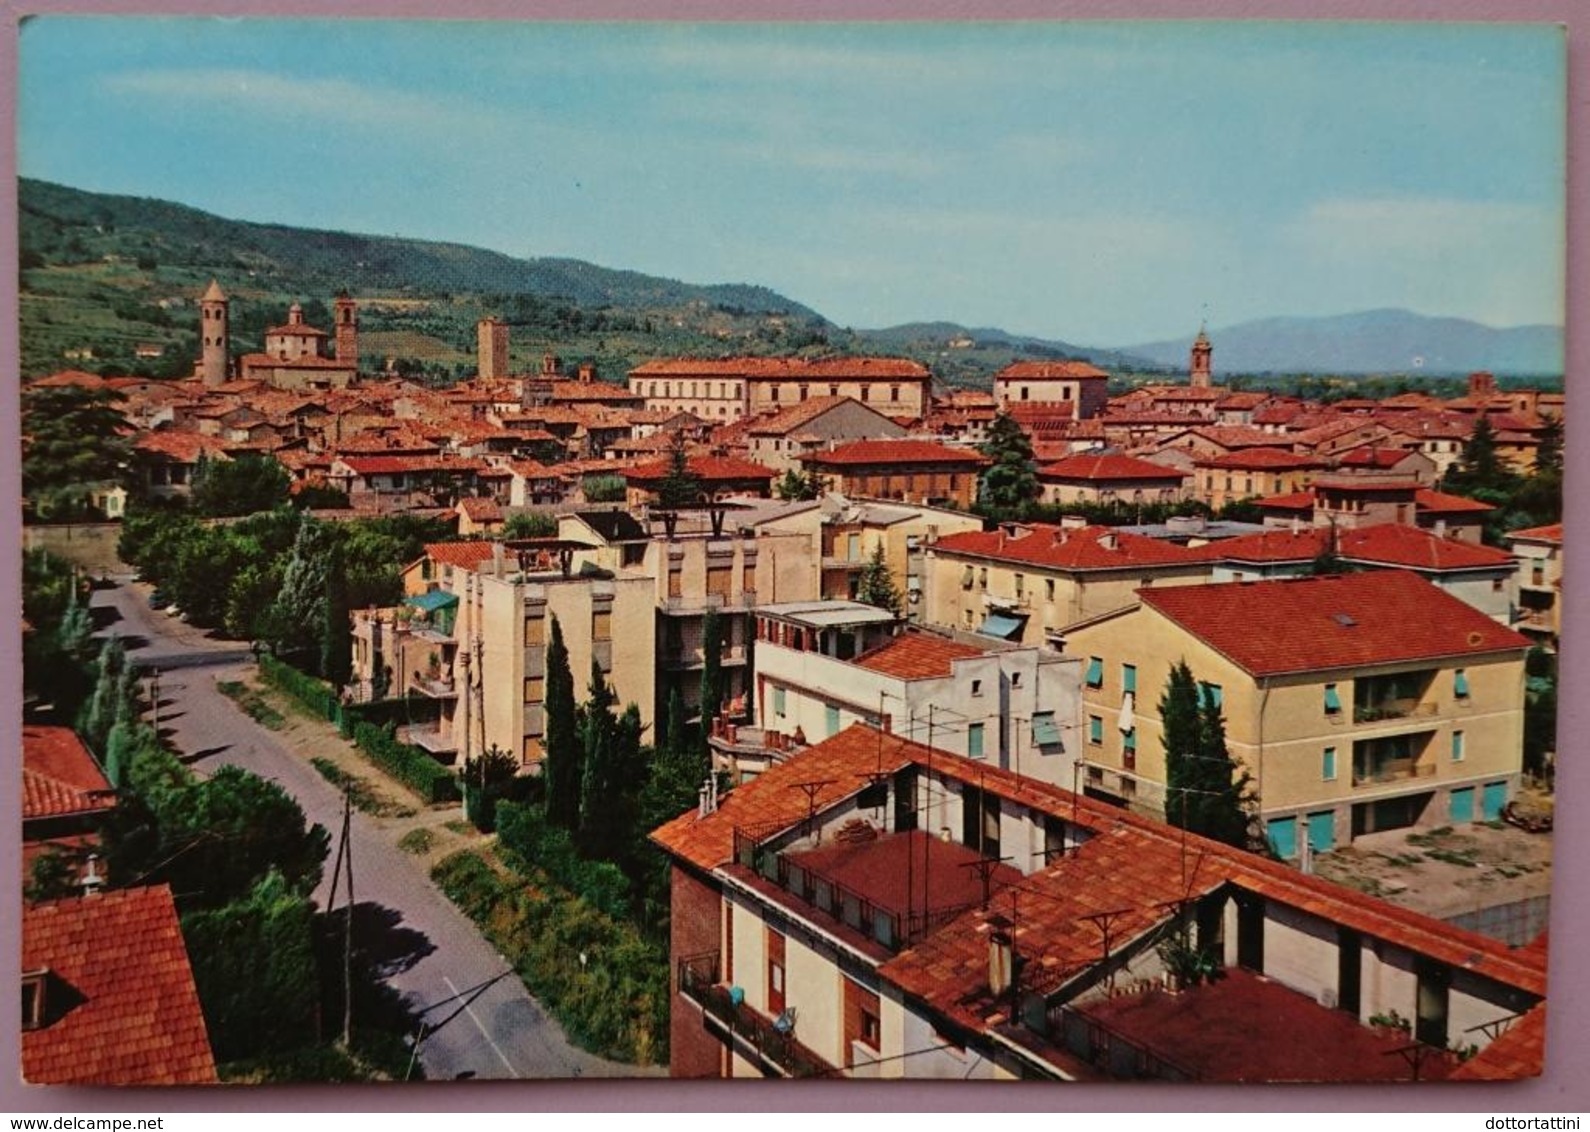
(1105, 184)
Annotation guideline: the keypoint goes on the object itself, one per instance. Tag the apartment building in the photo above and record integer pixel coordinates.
(1539, 613)
(876, 908)
(1026, 580)
(1109, 477)
(912, 471)
(727, 389)
(1357, 702)
(783, 440)
(1073, 389)
(821, 666)
(473, 647)
(1245, 473)
(848, 532)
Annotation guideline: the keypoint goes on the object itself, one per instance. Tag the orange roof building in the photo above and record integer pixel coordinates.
(108, 994)
(726, 389)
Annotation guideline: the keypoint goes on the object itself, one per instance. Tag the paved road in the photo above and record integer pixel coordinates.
(427, 950)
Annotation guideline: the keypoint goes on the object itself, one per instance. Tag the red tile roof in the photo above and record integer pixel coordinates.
(59, 776)
(1336, 621)
(297, 330)
(1040, 371)
(1292, 501)
(467, 555)
(1259, 459)
(69, 377)
(788, 420)
(1085, 548)
(816, 369)
(1440, 503)
(916, 656)
(304, 361)
(1110, 466)
(119, 968)
(481, 510)
(1550, 533)
(868, 453)
(393, 465)
(1369, 456)
(710, 469)
(182, 447)
(1383, 544)
(1520, 1051)
(1133, 869)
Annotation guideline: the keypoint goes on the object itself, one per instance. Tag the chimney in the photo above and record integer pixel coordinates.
(1001, 956)
(1440, 528)
(551, 364)
(1073, 522)
(496, 559)
(587, 372)
(1108, 540)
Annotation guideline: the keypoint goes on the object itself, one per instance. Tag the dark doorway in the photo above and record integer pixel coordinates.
(1250, 932)
(1349, 969)
(1430, 1019)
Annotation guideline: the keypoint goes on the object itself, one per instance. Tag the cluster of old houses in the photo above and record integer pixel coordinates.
(942, 854)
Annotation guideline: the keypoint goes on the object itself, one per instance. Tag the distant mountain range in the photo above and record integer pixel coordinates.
(99, 270)
(1377, 341)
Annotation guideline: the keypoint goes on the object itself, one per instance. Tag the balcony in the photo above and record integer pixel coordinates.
(682, 659)
(1392, 709)
(436, 687)
(1391, 770)
(769, 1042)
(430, 739)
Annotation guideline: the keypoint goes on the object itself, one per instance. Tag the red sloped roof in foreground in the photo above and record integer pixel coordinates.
(1334, 621)
(120, 1004)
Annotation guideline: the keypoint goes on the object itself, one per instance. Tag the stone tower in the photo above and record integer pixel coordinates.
(214, 335)
(491, 347)
(1201, 372)
(347, 330)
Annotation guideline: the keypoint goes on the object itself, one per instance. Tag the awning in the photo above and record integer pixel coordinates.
(1001, 625)
(434, 600)
(1045, 732)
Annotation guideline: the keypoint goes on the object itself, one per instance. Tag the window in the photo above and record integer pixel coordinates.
(602, 625)
(1211, 695)
(719, 580)
(1048, 588)
(974, 740)
(1015, 679)
(1327, 765)
(534, 631)
(1096, 730)
(1457, 746)
(1460, 683)
(1497, 585)
(775, 972)
(966, 578)
(1095, 678)
(778, 702)
(534, 689)
(977, 687)
(861, 1020)
(831, 720)
(1333, 701)
(982, 578)
(1021, 586)
(1129, 742)
(1129, 678)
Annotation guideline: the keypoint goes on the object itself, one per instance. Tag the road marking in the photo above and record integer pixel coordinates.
(470, 1010)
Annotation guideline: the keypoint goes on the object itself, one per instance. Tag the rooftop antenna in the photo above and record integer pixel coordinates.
(811, 790)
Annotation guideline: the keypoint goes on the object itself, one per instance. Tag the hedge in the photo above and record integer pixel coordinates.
(312, 693)
(408, 764)
(523, 832)
(615, 1004)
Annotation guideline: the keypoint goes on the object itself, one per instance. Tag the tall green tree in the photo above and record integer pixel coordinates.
(876, 584)
(74, 439)
(1479, 471)
(564, 753)
(1010, 481)
(297, 618)
(711, 672)
(336, 643)
(242, 486)
(1206, 791)
(613, 774)
(679, 487)
(798, 486)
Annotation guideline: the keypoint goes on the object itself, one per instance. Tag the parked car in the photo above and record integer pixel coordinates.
(158, 600)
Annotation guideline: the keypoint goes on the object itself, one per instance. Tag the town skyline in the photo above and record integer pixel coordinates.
(948, 207)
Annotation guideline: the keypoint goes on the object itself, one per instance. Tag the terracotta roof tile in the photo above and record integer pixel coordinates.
(916, 656)
(1383, 544)
(796, 416)
(59, 776)
(392, 465)
(1518, 1052)
(1318, 624)
(1085, 548)
(134, 1018)
(1259, 459)
(182, 447)
(467, 555)
(1439, 502)
(1550, 533)
(1040, 371)
(816, 369)
(1109, 466)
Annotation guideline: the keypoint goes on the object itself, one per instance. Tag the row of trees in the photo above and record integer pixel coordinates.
(1521, 499)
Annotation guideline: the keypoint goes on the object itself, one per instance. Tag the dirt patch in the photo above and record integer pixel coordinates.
(1445, 871)
(395, 809)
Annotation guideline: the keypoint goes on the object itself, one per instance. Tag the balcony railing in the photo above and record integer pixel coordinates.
(1392, 709)
(431, 739)
(435, 687)
(771, 1041)
(1117, 1055)
(1396, 770)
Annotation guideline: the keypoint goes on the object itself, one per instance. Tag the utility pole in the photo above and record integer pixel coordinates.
(344, 864)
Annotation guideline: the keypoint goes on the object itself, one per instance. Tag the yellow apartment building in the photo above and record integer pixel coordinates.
(1356, 702)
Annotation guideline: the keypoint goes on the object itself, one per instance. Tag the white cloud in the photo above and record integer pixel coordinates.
(287, 99)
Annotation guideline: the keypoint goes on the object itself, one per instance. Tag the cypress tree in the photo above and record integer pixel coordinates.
(336, 643)
(1181, 727)
(562, 740)
(1223, 806)
(876, 585)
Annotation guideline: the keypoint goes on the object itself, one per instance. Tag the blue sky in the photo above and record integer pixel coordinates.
(1101, 183)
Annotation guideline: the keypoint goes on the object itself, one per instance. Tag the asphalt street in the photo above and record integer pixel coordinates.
(481, 1021)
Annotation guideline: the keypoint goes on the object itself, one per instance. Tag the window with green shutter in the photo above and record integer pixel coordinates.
(1095, 678)
(1460, 683)
(1333, 701)
(974, 740)
(1095, 729)
(778, 701)
(1129, 678)
(1327, 765)
(1210, 695)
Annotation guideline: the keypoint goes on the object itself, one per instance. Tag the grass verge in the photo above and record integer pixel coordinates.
(366, 799)
(253, 704)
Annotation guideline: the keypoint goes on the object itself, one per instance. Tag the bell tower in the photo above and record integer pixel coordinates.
(1201, 370)
(214, 335)
(347, 330)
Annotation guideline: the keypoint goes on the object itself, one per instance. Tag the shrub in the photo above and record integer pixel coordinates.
(408, 764)
(313, 694)
(528, 841)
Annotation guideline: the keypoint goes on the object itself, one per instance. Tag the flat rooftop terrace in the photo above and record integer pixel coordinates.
(1245, 1027)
